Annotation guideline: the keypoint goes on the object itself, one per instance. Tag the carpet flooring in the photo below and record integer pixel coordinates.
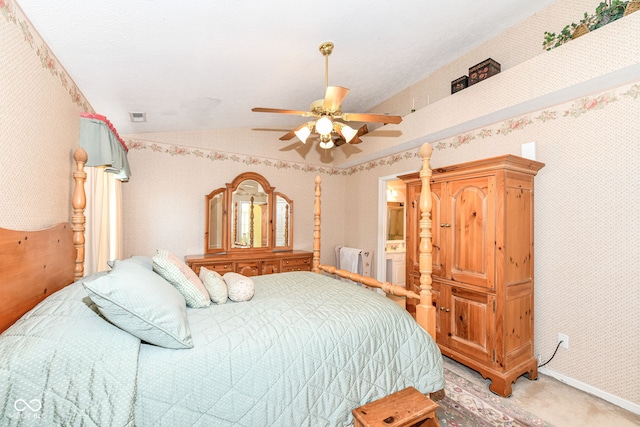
(468, 405)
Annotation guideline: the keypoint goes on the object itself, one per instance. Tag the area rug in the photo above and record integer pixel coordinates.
(469, 405)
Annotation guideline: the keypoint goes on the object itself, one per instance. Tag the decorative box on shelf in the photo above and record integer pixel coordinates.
(483, 70)
(459, 84)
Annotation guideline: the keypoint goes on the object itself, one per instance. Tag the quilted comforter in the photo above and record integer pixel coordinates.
(305, 351)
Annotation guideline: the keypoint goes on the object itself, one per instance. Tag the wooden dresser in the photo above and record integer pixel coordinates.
(482, 264)
(252, 264)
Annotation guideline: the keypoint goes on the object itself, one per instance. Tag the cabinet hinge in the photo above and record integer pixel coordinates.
(494, 355)
(494, 306)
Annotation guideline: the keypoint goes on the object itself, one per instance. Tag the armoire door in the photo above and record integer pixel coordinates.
(469, 223)
(466, 321)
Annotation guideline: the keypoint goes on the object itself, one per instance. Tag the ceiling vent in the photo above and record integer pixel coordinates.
(138, 117)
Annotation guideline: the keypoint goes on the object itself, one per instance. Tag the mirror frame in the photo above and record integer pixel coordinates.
(207, 218)
(288, 223)
(227, 200)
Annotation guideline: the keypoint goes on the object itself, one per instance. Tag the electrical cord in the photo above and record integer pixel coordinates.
(552, 356)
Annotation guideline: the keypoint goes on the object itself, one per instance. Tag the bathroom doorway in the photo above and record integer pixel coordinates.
(391, 230)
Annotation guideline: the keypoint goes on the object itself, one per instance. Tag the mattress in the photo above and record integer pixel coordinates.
(305, 350)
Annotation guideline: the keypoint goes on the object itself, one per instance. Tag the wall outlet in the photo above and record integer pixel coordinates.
(564, 339)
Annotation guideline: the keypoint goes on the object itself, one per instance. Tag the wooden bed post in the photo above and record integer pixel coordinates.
(315, 265)
(425, 311)
(78, 218)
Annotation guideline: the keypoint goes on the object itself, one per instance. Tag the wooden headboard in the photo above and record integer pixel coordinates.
(35, 264)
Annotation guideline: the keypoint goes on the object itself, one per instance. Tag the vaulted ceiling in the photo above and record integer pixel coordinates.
(204, 64)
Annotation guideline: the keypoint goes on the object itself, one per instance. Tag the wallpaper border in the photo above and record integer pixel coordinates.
(12, 13)
(568, 110)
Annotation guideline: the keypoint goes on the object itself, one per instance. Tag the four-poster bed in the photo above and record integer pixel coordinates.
(425, 311)
(306, 350)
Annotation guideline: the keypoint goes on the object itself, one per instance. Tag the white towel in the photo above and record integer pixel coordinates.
(349, 259)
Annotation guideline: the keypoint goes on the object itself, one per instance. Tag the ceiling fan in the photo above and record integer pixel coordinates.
(326, 113)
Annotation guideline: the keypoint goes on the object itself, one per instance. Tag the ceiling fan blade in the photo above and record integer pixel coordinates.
(378, 118)
(363, 130)
(287, 136)
(333, 97)
(292, 133)
(280, 111)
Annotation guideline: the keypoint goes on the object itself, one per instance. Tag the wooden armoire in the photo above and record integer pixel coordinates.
(482, 264)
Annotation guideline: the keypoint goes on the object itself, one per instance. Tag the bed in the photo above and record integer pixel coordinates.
(305, 350)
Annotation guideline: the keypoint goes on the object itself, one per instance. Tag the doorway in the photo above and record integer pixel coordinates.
(391, 230)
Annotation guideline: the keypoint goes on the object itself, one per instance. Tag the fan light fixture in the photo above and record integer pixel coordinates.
(324, 127)
(325, 141)
(325, 112)
(304, 132)
(347, 132)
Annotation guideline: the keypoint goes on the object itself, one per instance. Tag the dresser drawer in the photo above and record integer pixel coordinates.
(296, 264)
(219, 267)
(252, 263)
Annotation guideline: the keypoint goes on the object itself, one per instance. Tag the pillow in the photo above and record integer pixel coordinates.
(239, 287)
(215, 285)
(182, 277)
(144, 261)
(142, 303)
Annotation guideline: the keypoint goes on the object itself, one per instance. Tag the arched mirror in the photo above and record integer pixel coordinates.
(248, 215)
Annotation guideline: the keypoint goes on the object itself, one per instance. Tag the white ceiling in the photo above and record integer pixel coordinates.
(204, 64)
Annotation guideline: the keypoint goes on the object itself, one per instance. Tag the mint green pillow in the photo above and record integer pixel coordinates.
(139, 301)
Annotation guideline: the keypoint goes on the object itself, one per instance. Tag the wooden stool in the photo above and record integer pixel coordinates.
(405, 408)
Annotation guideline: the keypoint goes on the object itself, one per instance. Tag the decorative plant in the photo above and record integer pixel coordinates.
(608, 12)
(552, 40)
(605, 13)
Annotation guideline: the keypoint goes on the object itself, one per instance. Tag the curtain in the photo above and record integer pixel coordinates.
(103, 145)
(104, 219)
(107, 167)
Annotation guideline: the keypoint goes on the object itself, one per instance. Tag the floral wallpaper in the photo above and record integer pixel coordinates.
(565, 111)
(12, 13)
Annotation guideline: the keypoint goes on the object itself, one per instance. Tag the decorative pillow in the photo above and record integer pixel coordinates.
(144, 261)
(142, 303)
(215, 285)
(239, 287)
(182, 277)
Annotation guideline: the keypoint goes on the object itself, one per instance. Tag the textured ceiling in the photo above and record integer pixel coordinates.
(205, 64)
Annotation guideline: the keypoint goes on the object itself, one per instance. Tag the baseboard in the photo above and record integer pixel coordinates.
(625, 404)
